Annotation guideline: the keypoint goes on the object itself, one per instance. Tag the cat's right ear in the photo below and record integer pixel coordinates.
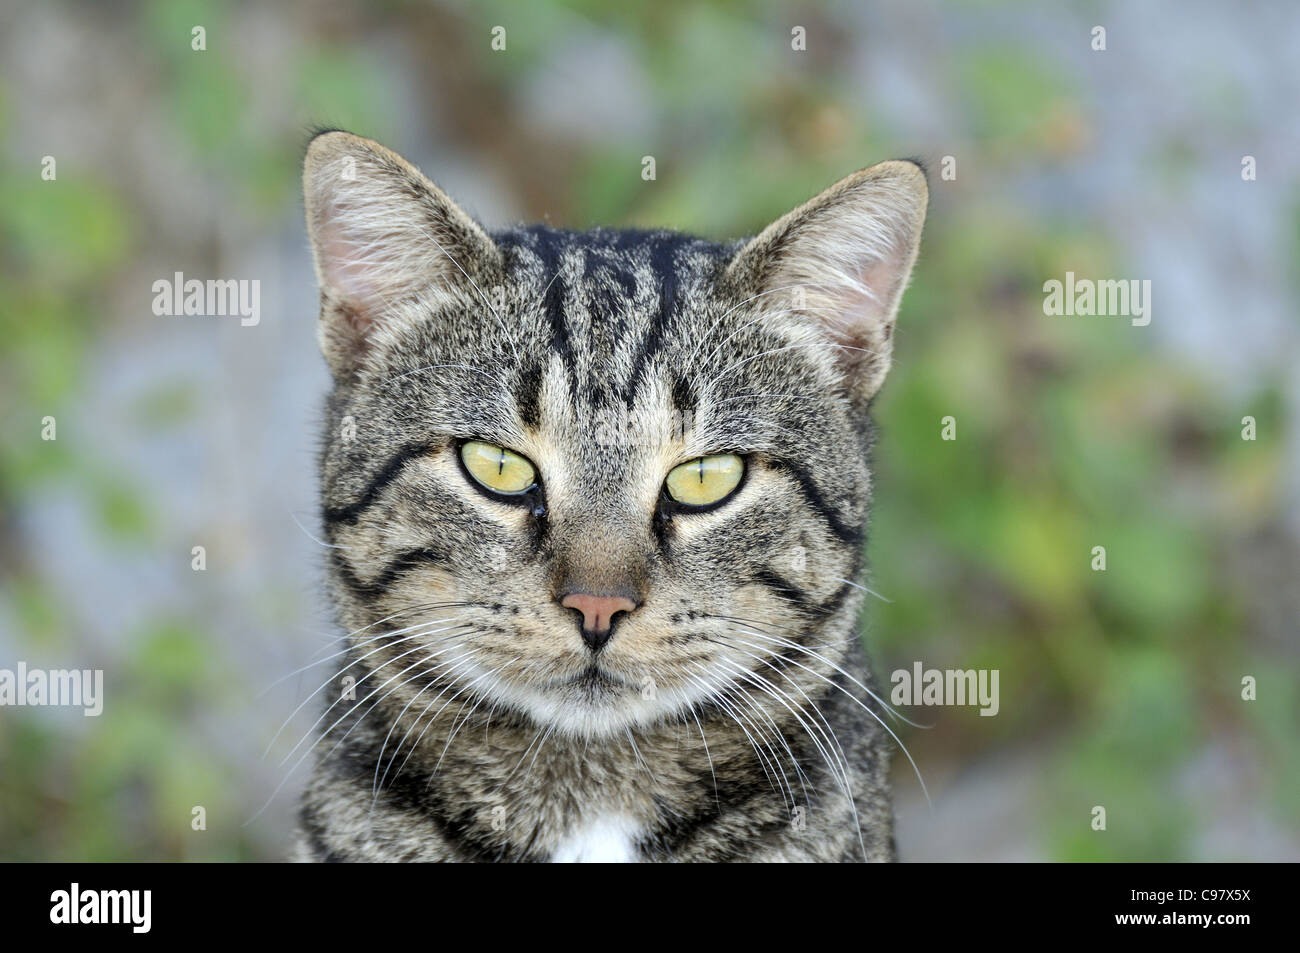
(383, 237)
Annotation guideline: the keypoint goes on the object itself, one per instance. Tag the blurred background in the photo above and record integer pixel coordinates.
(1119, 688)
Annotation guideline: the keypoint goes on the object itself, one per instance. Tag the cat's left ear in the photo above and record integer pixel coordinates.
(841, 261)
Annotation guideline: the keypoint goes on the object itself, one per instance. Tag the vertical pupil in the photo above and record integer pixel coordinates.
(502, 464)
(701, 471)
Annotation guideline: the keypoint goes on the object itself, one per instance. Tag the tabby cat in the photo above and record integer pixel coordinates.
(595, 504)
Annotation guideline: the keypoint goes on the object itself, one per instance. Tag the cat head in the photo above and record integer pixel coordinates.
(595, 478)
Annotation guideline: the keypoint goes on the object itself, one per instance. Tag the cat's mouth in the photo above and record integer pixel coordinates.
(595, 680)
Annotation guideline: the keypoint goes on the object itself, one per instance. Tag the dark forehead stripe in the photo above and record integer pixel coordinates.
(608, 297)
(528, 395)
(666, 254)
(548, 245)
(551, 247)
(614, 265)
(685, 398)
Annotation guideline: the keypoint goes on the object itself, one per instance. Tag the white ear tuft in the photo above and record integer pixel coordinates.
(842, 261)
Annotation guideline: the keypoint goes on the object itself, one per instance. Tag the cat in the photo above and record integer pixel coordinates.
(596, 504)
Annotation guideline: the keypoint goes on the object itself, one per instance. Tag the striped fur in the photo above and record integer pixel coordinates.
(729, 717)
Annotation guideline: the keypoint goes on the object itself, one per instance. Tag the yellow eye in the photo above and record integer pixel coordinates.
(706, 480)
(497, 468)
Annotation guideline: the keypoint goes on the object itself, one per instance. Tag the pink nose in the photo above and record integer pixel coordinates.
(597, 613)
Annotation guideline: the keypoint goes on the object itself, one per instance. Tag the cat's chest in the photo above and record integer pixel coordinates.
(601, 839)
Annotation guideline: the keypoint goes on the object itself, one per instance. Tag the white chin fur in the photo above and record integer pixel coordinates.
(602, 717)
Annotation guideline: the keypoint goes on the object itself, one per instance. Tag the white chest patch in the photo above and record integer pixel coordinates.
(608, 839)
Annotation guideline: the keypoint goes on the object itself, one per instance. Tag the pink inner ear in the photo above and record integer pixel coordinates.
(354, 269)
(859, 309)
(348, 272)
